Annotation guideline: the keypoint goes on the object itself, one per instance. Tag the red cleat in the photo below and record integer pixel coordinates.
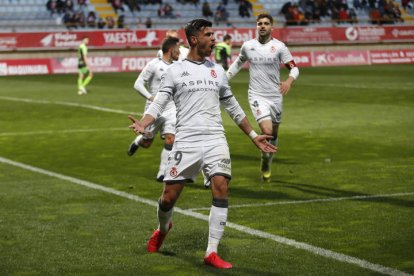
(155, 242)
(214, 260)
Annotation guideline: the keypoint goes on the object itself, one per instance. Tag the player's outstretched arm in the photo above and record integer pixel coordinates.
(261, 141)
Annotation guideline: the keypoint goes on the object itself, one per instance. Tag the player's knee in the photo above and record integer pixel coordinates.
(165, 206)
(169, 139)
(145, 143)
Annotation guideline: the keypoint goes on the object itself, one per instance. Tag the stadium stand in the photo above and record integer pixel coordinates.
(61, 15)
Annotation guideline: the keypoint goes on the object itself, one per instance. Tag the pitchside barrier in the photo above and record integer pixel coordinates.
(150, 39)
(137, 63)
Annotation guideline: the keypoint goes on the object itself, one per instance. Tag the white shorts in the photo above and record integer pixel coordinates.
(165, 124)
(186, 163)
(264, 109)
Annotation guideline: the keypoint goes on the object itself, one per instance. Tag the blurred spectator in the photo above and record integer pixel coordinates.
(166, 11)
(244, 8)
(148, 23)
(91, 19)
(68, 5)
(69, 20)
(117, 5)
(221, 14)
(79, 19)
(101, 23)
(343, 15)
(133, 5)
(51, 6)
(110, 22)
(352, 16)
(206, 11)
(121, 21)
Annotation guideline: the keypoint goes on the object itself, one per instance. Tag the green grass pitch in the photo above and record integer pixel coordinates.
(342, 182)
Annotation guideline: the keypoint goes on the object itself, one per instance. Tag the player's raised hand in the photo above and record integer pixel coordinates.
(261, 141)
(136, 125)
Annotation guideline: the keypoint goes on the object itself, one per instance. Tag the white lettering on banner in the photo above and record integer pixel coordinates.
(100, 61)
(6, 42)
(60, 40)
(27, 69)
(398, 33)
(367, 33)
(3, 69)
(121, 37)
(69, 62)
(237, 37)
(337, 59)
(301, 59)
(135, 64)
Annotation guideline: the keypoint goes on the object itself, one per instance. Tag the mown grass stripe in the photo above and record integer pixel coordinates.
(316, 200)
(93, 107)
(300, 245)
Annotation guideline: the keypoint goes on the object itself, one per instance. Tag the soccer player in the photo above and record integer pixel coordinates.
(198, 87)
(183, 50)
(165, 123)
(222, 51)
(266, 90)
(85, 73)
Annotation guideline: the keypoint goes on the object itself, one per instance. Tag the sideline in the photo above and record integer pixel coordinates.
(300, 245)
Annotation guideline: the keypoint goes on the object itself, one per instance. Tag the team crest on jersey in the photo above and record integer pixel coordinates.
(273, 49)
(173, 172)
(213, 73)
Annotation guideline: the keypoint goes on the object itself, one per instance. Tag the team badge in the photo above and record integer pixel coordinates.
(173, 172)
(213, 73)
(258, 112)
(273, 49)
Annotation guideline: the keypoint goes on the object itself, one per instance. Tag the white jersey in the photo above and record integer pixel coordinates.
(264, 61)
(151, 75)
(197, 89)
(183, 53)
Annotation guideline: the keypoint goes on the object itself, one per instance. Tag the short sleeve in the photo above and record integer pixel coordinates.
(167, 82)
(285, 55)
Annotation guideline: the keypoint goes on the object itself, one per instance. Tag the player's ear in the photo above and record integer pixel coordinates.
(193, 40)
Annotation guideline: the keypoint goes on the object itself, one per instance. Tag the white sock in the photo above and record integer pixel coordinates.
(137, 139)
(217, 221)
(164, 219)
(163, 162)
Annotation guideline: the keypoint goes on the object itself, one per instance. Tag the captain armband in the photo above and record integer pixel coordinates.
(293, 70)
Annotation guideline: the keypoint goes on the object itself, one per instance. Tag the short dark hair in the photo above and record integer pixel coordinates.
(168, 43)
(195, 26)
(265, 15)
(227, 37)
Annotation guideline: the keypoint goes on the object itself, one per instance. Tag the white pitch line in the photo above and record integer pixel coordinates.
(99, 108)
(61, 131)
(299, 245)
(330, 199)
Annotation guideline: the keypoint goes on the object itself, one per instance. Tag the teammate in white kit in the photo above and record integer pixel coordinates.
(198, 87)
(183, 50)
(266, 90)
(165, 124)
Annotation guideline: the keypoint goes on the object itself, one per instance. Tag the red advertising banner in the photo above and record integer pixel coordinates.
(122, 39)
(137, 63)
(391, 56)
